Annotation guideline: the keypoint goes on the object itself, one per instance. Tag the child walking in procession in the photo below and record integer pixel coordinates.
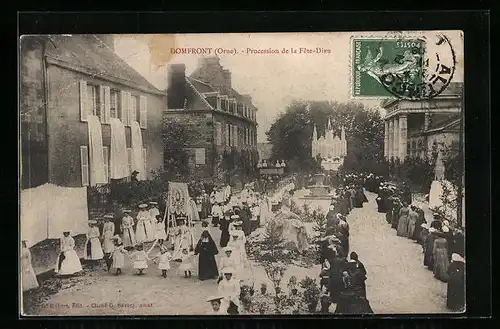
(140, 259)
(186, 263)
(164, 258)
(118, 255)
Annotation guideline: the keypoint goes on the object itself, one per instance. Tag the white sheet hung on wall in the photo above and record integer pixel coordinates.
(118, 156)
(137, 150)
(96, 154)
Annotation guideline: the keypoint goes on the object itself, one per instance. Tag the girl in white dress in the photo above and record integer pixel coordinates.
(68, 262)
(186, 263)
(128, 234)
(140, 259)
(144, 230)
(164, 258)
(93, 249)
(108, 245)
(28, 276)
(160, 233)
(118, 255)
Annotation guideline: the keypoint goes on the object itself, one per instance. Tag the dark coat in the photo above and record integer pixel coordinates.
(207, 266)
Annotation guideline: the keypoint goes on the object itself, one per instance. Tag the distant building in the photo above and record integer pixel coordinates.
(222, 119)
(265, 150)
(329, 146)
(415, 128)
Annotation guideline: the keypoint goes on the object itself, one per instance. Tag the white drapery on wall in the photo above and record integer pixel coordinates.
(137, 154)
(48, 210)
(96, 153)
(118, 156)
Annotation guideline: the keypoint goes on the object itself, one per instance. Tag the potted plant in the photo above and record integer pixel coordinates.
(311, 293)
(292, 285)
(263, 288)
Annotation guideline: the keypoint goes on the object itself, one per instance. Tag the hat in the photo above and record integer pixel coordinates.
(126, 211)
(235, 216)
(237, 223)
(214, 298)
(228, 270)
(153, 203)
(457, 258)
(446, 223)
(143, 205)
(445, 229)
(227, 248)
(92, 222)
(109, 216)
(181, 218)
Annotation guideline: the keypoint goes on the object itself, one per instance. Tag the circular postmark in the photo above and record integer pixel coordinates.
(423, 69)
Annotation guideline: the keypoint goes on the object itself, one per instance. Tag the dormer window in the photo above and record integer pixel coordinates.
(227, 104)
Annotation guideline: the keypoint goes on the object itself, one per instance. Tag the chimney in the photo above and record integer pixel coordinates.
(226, 76)
(108, 40)
(176, 90)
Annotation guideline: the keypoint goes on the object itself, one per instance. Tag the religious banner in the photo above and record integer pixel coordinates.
(178, 198)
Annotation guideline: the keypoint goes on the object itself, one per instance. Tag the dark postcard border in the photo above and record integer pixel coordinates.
(477, 94)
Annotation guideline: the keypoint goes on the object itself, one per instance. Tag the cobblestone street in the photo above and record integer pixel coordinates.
(397, 281)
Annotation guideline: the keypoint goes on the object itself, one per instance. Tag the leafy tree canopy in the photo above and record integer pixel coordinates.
(291, 134)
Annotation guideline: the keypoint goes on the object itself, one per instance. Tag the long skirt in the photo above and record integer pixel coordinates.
(118, 259)
(224, 238)
(441, 261)
(395, 218)
(28, 278)
(352, 304)
(388, 216)
(93, 249)
(69, 265)
(207, 267)
(140, 232)
(403, 226)
(128, 237)
(411, 226)
(455, 295)
(429, 251)
(380, 205)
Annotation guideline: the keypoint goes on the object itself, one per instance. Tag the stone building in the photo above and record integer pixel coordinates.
(415, 128)
(220, 118)
(64, 81)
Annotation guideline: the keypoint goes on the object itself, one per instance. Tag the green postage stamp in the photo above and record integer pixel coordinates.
(400, 67)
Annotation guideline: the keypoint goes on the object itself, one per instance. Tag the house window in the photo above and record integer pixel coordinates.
(93, 101)
(84, 165)
(134, 100)
(199, 156)
(114, 109)
(105, 152)
(129, 156)
(145, 158)
(143, 115)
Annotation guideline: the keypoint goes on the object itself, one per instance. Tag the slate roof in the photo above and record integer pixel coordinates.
(201, 86)
(89, 52)
(450, 122)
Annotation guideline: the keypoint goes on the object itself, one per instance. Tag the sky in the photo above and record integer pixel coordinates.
(273, 80)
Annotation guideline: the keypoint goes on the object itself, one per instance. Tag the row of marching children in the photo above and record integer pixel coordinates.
(443, 244)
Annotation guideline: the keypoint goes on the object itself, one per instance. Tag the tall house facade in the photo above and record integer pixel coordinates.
(222, 119)
(87, 119)
(414, 129)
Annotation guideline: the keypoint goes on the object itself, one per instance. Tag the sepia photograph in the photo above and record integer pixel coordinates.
(242, 174)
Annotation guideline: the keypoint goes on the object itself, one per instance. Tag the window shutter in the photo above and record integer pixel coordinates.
(107, 103)
(144, 112)
(84, 165)
(129, 156)
(83, 101)
(124, 105)
(144, 159)
(105, 152)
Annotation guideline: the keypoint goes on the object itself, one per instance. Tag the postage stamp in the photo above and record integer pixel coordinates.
(405, 67)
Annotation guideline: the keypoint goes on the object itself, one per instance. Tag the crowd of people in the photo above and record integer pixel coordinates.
(343, 275)
(443, 244)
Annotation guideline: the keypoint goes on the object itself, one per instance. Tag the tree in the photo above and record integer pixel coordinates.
(291, 134)
(175, 140)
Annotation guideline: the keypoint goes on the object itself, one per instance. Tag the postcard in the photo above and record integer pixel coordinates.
(242, 173)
